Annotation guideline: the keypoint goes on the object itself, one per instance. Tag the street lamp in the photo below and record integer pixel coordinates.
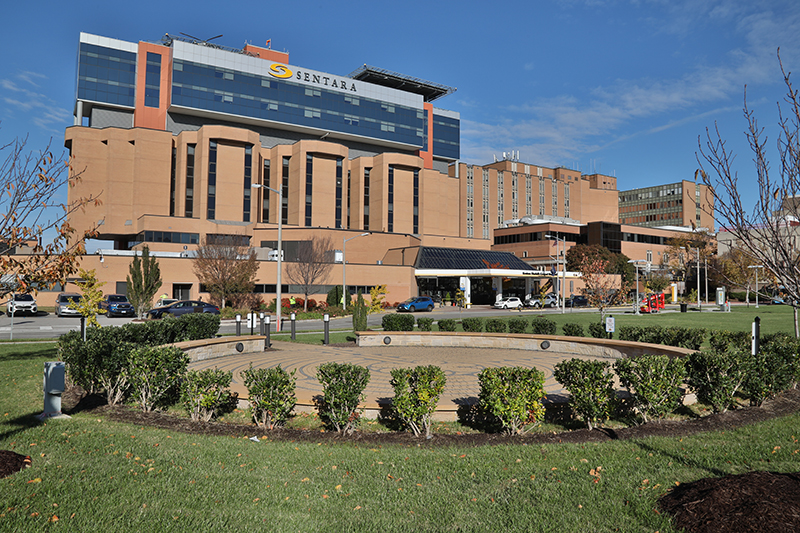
(635, 263)
(756, 267)
(280, 253)
(344, 266)
(562, 283)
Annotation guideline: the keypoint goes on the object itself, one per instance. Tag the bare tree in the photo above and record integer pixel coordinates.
(768, 230)
(226, 265)
(31, 214)
(312, 265)
(602, 289)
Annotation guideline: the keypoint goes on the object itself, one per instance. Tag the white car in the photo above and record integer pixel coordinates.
(510, 302)
(21, 304)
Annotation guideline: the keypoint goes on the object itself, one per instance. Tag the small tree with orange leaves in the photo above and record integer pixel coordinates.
(603, 290)
(38, 247)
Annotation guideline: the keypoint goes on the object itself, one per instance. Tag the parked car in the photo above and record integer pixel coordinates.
(550, 300)
(62, 304)
(164, 302)
(509, 302)
(20, 304)
(418, 303)
(117, 305)
(183, 307)
(577, 301)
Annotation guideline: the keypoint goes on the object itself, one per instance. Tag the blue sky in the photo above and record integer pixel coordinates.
(620, 87)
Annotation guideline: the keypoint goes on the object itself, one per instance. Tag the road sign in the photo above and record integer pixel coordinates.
(610, 324)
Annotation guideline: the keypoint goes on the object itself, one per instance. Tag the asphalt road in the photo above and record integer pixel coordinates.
(49, 326)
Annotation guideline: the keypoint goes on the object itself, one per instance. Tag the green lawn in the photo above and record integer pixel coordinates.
(98, 475)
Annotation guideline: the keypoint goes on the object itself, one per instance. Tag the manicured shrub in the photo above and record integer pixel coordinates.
(398, 322)
(652, 334)
(272, 394)
(416, 393)
(573, 330)
(773, 370)
(425, 323)
(342, 390)
(717, 377)
(630, 333)
(517, 325)
(694, 338)
(154, 374)
(446, 324)
(653, 382)
(472, 324)
(543, 326)
(496, 325)
(722, 340)
(591, 388)
(205, 393)
(598, 330)
(99, 363)
(360, 312)
(335, 296)
(195, 326)
(513, 395)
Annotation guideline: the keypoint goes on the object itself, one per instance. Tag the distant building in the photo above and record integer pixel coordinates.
(683, 204)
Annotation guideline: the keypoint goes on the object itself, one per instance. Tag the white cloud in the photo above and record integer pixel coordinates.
(40, 109)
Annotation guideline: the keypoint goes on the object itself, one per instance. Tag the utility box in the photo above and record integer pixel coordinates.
(54, 385)
(721, 299)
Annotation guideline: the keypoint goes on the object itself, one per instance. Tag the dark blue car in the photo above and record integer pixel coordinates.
(117, 305)
(183, 307)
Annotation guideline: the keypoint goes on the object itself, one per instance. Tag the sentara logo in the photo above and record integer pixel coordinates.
(276, 70)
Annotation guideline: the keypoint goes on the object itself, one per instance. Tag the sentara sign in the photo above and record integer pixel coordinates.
(277, 70)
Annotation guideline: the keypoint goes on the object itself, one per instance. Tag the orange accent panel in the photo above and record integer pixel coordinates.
(153, 117)
(268, 54)
(427, 156)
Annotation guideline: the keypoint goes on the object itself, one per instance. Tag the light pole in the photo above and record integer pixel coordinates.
(756, 267)
(563, 282)
(280, 253)
(635, 263)
(344, 266)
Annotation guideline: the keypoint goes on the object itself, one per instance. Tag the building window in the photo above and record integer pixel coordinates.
(528, 195)
(514, 195)
(500, 199)
(265, 192)
(211, 212)
(566, 200)
(152, 82)
(285, 192)
(416, 201)
(649, 256)
(309, 186)
(190, 149)
(485, 203)
(390, 201)
(248, 182)
(339, 185)
(366, 198)
(348, 199)
(541, 194)
(470, 200)
(555, 198)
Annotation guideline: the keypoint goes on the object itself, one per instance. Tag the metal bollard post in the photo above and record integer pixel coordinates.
(326, 320)
(293, 316)
(83, 327)
(267, 343)
(238, 325)
(251, 320)
(261, 323)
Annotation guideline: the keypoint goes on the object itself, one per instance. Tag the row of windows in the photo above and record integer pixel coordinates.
(167, 236)
(653, 192)
(106, 75)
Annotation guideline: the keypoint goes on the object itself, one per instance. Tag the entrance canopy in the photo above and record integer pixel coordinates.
(447, 262)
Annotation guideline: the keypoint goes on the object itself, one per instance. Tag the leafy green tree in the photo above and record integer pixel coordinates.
(91, 296)
(144, 280)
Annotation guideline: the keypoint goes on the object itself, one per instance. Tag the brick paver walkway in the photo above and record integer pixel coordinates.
(460, 365)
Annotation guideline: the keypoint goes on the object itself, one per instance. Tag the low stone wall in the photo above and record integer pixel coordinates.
(578, 346)
(202, 349)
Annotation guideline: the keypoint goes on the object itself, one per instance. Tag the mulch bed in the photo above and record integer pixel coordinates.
(753, 502)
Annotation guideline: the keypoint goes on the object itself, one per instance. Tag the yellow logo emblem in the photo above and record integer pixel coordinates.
(276, 70)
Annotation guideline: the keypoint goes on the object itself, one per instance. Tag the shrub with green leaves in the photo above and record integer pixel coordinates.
(343, 387)
(773, 370)
(652, 335)
(722, 340)
(653, 382)
(155, 374)
(272, 394)
(694, 338)
(598, 330)
(717, 377)
(416, 393)
(472, 324)
(496, 325)
(99, 363)
(360, 312)
(513, 395)
(397, 322)
(195, 326)
(630, 333)
(425, 323)
(205, 393)
(573, 330)
(446, 324)
(591, 388)
(543, 326)
(518, 325)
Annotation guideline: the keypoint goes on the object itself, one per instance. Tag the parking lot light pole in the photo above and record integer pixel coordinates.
(756, 267)
(280, 254)
(344, 266)
(561, 293)
(635, 263)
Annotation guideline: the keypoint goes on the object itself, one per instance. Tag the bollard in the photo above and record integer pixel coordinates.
(238, 325)
(54, 386)
(326, 320)
(755, 345)
(261, 323)
(251, 320)
(83, 327)
(293, 317)
(267, 343)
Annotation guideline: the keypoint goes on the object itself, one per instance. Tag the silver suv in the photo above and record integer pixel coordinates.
(62, 304)
(20, 304)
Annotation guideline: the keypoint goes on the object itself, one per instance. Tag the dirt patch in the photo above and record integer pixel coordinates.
(754, 502)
